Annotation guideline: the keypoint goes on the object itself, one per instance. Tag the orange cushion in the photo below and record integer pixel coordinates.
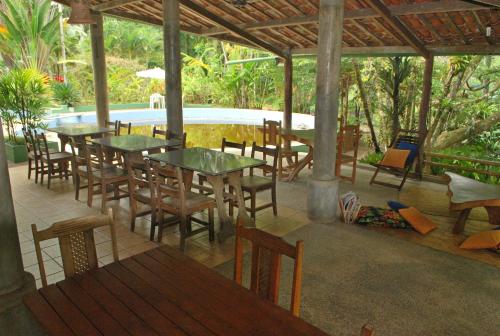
(395, 158)
(483, 240)
(417, 220)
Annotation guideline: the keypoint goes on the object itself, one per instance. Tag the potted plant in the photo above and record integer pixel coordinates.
(24, 95)
(65, 94)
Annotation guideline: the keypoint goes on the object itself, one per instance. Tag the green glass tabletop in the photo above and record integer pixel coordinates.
(135, 143)
(75, 130)
(304, 134)
(206, 161)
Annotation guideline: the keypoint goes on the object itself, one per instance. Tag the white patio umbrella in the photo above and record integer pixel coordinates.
(156, 73)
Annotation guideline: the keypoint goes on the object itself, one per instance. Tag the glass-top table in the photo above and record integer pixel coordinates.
(78, 131)
(135, 143)
(215, 165)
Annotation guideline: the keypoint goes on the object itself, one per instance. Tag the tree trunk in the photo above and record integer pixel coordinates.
(395, 125)
(447, 139)
(366, 106)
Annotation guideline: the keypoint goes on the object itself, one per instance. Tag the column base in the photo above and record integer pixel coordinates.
(14, 297)
(322, 200)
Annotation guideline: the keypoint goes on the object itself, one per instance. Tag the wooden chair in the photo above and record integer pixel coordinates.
(253, 184)
(123, 128)
(347, 142)
(177, 199)
(167, 135)
(76, 241)
(112, 124)
(51, 162)
(267, 250)
(272, 135)
(225, 144)
(78, 165)
(104, 176)
(142, 190)
(402, 140)
(33, 157)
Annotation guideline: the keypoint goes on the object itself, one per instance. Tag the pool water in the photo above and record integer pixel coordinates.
(205, 127)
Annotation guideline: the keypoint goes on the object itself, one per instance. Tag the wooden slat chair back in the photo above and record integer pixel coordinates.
(167, 135)
(225, 144)
(266, 168)
(347, 142)
(76, 241)
(142, 190)
(402, 136)
(112, 124)
(123, 128)
(271, 133)
(267, 250)
(78, 164)
(33, 157)
(49, 160)
(157, 131)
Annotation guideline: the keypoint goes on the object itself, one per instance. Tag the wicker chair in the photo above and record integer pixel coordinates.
(266, 264)
(76, 240)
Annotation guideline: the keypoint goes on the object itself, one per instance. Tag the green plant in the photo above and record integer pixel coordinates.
(66, 94)
(372, 158)
(24, 98)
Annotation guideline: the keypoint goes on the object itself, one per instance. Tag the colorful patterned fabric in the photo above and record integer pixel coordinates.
(379, 217)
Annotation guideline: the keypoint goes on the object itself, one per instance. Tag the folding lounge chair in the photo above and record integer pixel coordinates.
(404, 140)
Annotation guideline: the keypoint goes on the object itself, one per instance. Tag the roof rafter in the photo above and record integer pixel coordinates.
(112, 4)
(394, 22)
(231, 27)
(365, 13)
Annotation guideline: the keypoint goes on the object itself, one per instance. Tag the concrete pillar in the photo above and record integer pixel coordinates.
(424, 109)
(99, 65)
(323, 186)
(173, 80)
(14, 281)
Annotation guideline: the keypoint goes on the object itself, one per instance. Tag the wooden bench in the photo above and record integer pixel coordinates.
(466, 194)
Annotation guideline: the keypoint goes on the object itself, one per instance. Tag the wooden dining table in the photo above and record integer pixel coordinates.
(159, 292)
(216, 166)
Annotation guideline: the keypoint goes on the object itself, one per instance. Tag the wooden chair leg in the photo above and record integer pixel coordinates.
(252, 204)
(374, 175)
(231, 202)
(183, 231)
(49, 174)
(29, 168)
(133, 213)
(153, 223)
(201, 180)
(37, 170)
(90, 192)
(104, 197)
(211, 231)
(160, 225)
(404, 180)
(77, 187)
(273, 198)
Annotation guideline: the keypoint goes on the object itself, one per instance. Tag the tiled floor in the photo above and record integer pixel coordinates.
(36, 204)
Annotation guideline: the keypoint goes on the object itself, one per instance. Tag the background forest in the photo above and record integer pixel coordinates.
(382, 93)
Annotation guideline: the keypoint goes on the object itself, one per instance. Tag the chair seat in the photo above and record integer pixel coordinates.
(58, 156)
(300, 149)
(256, 182)
(194, 202)
(110, 172)
(143, 195)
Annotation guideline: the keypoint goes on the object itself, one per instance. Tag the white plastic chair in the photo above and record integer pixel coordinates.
(156, 99)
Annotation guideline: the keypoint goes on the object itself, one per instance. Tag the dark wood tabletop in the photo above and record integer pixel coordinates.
(77, 130)
(135, 143)
(207, 161)
(159, 292)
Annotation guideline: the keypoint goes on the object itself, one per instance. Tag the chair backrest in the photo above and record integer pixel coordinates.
(169, 135)
(126, 127)
(112, 125)
(267, 250)
(76, 241)
(408, 139)
(157, 131)
(29, 140)
(94, 157)
(169, 182)
(272, 133)
(79, 158)
(348, 139)
(235, 145)
(41, 145)
(272, 152)
(140, 176)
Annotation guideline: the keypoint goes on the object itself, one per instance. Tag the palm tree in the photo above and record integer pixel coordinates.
(31, 33)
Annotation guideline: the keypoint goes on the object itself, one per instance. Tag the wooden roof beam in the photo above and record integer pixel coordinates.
(232, 28)
(399, 27)
(489, 3)
(112, 4)
(365, 13)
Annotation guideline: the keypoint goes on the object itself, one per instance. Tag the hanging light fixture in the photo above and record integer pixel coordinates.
(80, 13)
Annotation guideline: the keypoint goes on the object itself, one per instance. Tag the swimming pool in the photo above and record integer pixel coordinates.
(191, 116)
